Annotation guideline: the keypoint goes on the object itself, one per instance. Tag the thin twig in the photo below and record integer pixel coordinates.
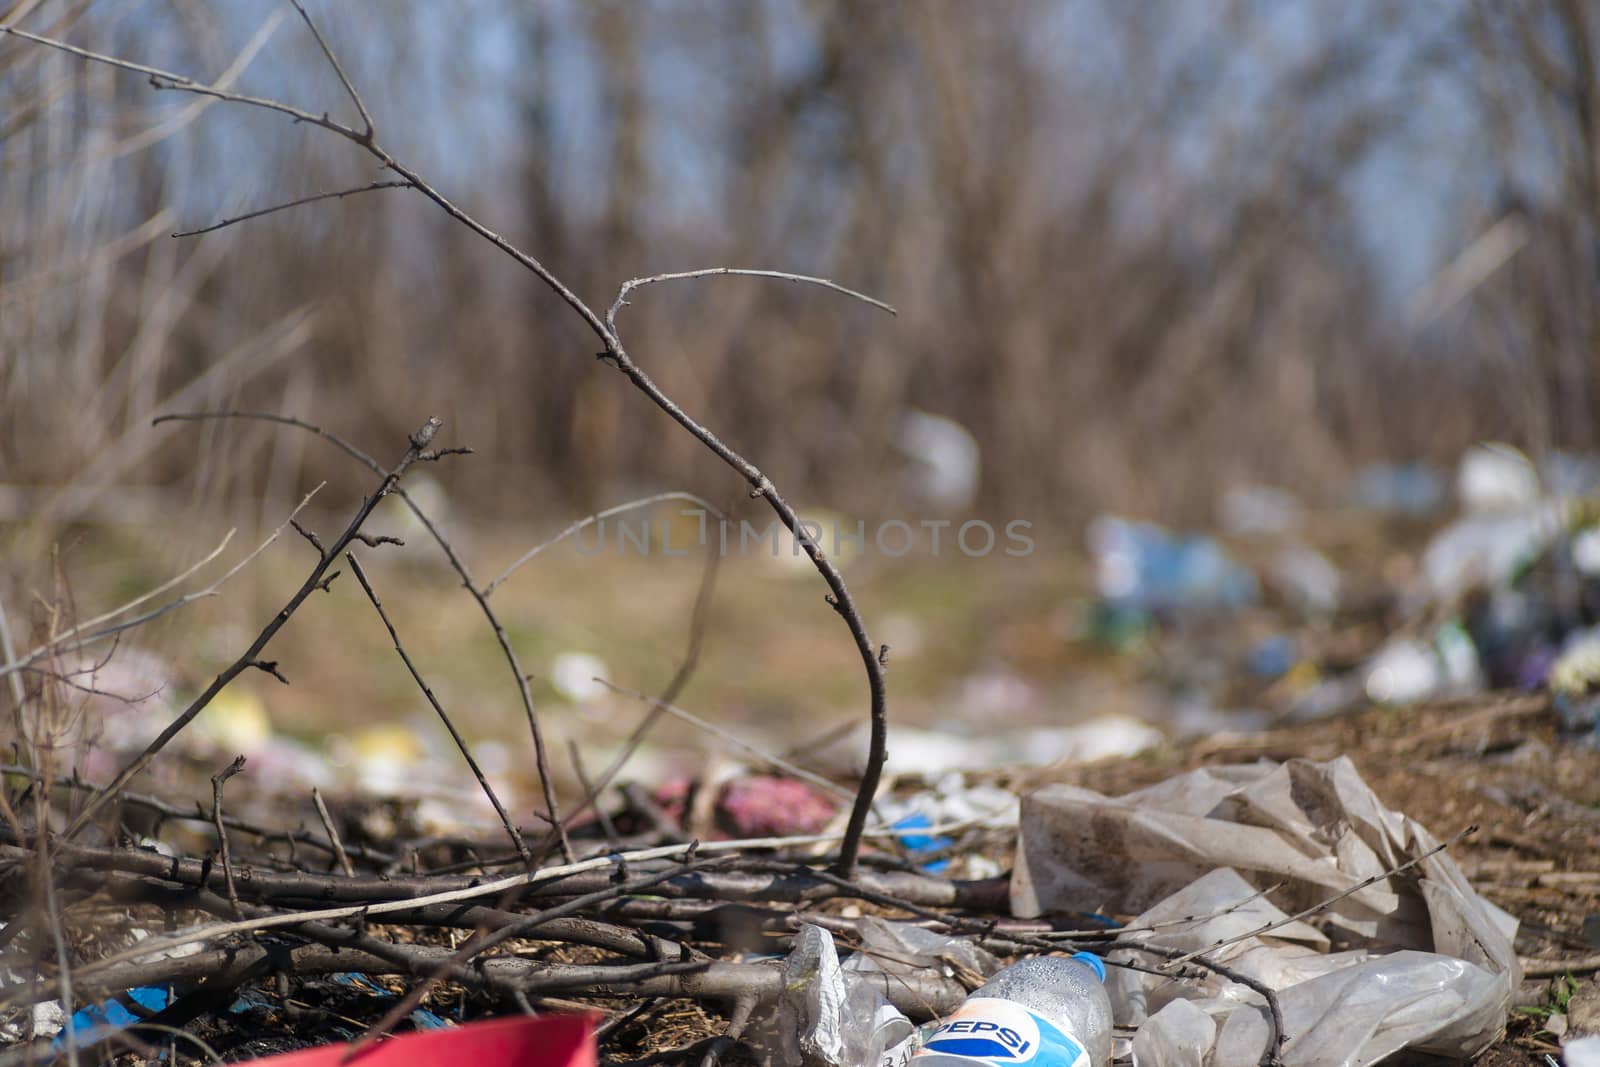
(8, 653)
(916, 994)
(338, 68)
(417, 443)
(336, 195)
(165, 79)
(52, 914)
(839, 597)
(744, 746)
(1111, 933)
(176, 580)
(680, 677)
(217, 782)
(605, 1029)
(1532, 968)
(599, 516)
(165, 810)
(334, 840)
(738, 1020)
(71, 641)
(444, 716)
(519, 676)
(575, 752)
(178, 1032)
(709, 272)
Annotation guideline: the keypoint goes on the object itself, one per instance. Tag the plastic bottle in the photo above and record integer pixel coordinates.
(1045, 1012)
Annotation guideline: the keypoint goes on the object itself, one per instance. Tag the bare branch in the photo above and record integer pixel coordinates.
(416, 444)
(680, 677)
(334, 841)
(716, 731)
(165, 810)
(710, 272)
(217, 782)
(916, 994)
(270, 666)
(337, 195)
(519, 676)
(9, 653)
(455, 735)
(483, 940)
(70, 641)
(287, 420)
(590, 797)
(52, 910)
(165, 79)
(338, 68)
(1272, 1055)
(599, 516)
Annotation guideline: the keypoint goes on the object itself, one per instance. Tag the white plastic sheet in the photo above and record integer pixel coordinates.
(1426, 962)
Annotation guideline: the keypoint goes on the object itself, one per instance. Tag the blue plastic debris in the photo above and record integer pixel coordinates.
(920, 845)
(1144, 566)
(361, 983)
(98, 1021)
(421, 1018)
(1404, 489)
(1273, 657)
(251, 1000)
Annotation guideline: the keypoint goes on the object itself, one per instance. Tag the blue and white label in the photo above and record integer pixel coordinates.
(991, 1031)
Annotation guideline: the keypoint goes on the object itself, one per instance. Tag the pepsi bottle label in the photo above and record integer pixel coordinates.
(991, 1031)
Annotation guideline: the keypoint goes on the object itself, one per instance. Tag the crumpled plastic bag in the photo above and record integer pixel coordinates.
(1431, 965)
(830, 1016)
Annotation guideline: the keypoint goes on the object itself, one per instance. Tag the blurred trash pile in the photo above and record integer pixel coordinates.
(1142, 567)
(1292, 875)
(1504, 595)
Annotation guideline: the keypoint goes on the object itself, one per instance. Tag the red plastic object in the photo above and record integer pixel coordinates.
(545, 1041)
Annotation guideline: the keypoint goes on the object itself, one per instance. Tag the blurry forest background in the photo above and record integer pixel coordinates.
(1142, 252)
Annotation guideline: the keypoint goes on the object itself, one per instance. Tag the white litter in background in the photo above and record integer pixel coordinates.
(1586, 551)
(1496, 478)
(573, 675)
(951, 801)
(1259, 509)
(1307, 579)
(946, 459)
(931, 752)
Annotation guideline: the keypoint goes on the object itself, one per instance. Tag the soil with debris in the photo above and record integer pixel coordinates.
(1497, 763)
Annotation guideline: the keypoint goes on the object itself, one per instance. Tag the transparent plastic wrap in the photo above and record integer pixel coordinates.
(834, 1015)
(1431, 965)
